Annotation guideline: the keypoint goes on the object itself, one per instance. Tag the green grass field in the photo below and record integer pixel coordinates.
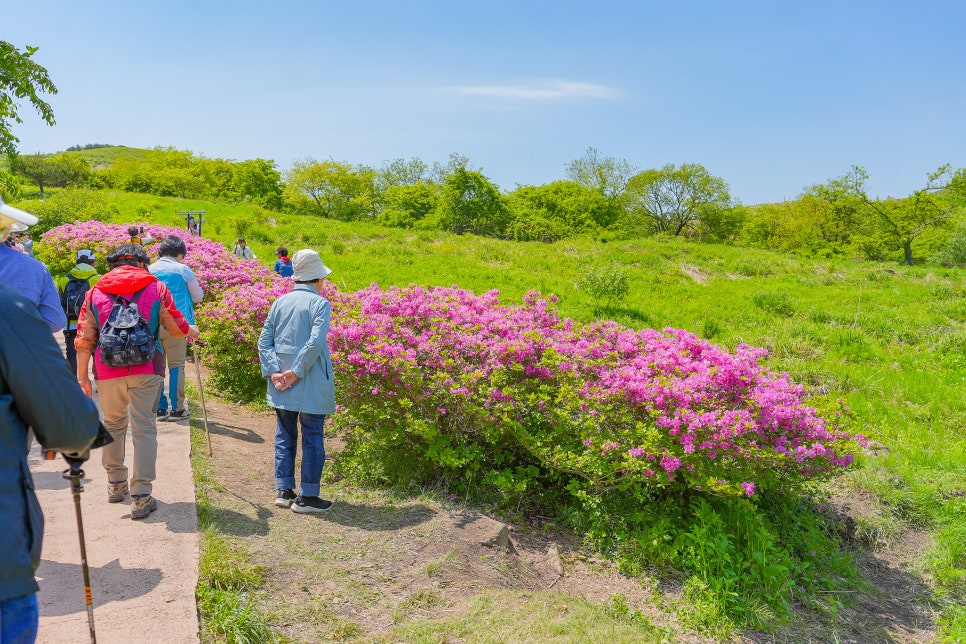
(890, 340)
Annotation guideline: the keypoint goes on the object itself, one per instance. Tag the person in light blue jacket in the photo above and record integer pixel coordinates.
(294, 354)
(186, 291)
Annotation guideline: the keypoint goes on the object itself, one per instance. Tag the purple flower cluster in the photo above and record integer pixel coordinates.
(605, 403)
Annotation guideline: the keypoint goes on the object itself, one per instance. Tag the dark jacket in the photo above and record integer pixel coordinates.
(36, 390)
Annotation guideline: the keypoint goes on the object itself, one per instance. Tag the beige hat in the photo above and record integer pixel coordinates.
(10, 216)
(308, 266)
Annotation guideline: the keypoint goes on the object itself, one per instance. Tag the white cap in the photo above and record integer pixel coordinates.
(308, 266)
(10, 217)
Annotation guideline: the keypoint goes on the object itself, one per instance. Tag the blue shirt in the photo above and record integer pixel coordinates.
(176, 276)
(32, 279)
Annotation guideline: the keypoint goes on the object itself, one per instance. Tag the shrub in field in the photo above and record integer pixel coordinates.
(518, 394)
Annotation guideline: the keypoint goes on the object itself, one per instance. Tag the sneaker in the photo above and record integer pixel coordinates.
(284, 498)
(162, 414)
(116, 492)
(179, 414)
(310, 505)
(142, 505)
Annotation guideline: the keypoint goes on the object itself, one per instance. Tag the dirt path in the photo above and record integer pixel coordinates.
(143, 573)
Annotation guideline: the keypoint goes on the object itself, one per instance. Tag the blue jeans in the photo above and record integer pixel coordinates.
(313, 450)
(173, 374)
(18, 620)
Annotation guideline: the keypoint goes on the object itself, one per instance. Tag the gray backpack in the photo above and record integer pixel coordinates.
(126, 339)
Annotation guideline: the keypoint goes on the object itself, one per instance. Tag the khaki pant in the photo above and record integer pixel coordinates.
(134, 398)
(175, 350)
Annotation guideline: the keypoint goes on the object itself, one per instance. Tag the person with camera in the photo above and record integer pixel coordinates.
(36, 391)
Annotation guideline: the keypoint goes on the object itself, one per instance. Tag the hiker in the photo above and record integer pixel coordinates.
(283, 265)
(294, 355)
(186, 291)
(17, 236)
(27, 242)
(36, 390)
(72, 287)
(192, 225)
(26, 274)
(139, 236)
(130, 374)
(242, 251)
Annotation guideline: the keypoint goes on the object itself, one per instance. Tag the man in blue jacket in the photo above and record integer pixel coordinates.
(26, 274)
(294, 355)
(36, 390)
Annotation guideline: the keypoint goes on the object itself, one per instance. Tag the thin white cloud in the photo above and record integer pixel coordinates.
(546, 91)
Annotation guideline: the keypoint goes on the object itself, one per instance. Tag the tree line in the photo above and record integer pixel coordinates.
(601, 196)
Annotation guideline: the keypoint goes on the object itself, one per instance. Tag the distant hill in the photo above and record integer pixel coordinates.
(103, 157)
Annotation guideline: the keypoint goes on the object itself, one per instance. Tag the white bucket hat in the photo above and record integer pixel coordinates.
(308, 266)
(10, 217)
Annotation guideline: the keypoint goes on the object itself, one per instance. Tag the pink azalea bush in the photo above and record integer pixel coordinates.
(448, 383)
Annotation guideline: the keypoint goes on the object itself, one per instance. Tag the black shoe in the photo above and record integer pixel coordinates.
(162, 414)
(284, 498)
(180, 414)
(310, 505)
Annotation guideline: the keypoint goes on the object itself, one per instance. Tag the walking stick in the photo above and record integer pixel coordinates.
(201, 392)
(75, 474)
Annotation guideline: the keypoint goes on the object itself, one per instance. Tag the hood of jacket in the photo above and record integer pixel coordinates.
(83, 271)
(125, 279)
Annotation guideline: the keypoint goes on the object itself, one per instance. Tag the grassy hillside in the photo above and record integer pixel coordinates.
(105, 157)
(890, 340)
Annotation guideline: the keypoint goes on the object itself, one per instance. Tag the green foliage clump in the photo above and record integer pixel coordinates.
(69, 206)
(605, 285)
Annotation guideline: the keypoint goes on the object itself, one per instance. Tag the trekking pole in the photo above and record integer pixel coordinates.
(75, 474)
(201, 392)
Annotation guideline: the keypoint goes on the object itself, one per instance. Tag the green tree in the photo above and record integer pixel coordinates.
(401, 172)
(675, 199)
(402, 206)
(257, 181)
(841, 211)
(470, 203)
(607, 175)
(557, 210)
(331, 189)
(903, 220)
(21, 78)
(51, 170)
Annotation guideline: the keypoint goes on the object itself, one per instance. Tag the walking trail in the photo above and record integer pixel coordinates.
(143, 573)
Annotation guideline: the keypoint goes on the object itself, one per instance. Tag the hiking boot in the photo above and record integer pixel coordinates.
(310, 505)
(284, 498)
(116, 492)
(142, 505)
(162, 414)
(178, 414)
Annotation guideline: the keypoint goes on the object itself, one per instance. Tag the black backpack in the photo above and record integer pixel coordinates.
(72, 299)
(126, 338)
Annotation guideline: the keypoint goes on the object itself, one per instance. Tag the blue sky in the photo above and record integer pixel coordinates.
(770, 96)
